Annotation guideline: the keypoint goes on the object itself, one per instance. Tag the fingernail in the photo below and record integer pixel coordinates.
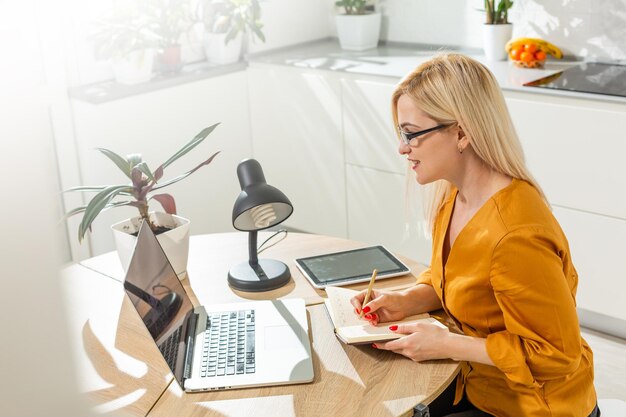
(356, 310)
(366, 309)
(374, 316)
(374, 346)
(368, 316)
(393, 328)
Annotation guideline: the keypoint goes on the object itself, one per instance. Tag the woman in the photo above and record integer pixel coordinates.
(501, 265)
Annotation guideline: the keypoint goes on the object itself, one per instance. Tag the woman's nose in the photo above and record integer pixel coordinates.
(403, 148)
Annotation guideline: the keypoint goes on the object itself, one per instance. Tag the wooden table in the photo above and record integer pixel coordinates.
(121, 367)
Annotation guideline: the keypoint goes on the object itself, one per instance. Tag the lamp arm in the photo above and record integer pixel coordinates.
(252, 248)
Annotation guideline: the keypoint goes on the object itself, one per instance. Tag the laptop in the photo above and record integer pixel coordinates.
(221, 346)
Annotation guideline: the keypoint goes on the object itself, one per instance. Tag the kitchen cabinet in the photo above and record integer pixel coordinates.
(296, 135)
(158, 123)
(575, 148)
(378, 213)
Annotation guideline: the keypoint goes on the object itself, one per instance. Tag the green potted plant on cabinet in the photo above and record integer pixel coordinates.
(145, 184)
(229, 26)
(497, 30)
(170, 19)
(358, 28)
(126, 38)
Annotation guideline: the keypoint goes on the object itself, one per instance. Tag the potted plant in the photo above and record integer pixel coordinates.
(128, 41)
(497, 30)
(358, 28)
(170, 19)
(229, 26)
(145, 184)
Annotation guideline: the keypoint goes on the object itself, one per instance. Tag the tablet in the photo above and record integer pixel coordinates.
(351, 266)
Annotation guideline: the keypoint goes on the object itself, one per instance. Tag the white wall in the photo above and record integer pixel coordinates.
(588, 28)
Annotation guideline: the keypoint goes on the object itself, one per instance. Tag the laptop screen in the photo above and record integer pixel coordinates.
(160, 299)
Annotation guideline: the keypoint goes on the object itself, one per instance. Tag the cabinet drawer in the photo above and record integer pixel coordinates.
(368, 126)
(377, 215)
(576, 153)
(597, 244)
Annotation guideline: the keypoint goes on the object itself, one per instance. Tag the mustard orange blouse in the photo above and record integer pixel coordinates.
(509, 278)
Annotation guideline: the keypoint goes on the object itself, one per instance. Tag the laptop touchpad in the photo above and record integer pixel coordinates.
(282, 338)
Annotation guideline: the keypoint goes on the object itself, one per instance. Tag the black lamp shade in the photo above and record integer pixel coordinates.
(259, 205)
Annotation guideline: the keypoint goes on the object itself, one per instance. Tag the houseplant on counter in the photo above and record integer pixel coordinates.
(171, 19)
(230, 25)
(497, 30)
(172, 231)
(358, 28)
(126, 38)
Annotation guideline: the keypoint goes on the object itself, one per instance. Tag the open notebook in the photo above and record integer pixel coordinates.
(351, 330)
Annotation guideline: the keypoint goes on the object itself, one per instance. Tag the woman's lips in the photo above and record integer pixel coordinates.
(414, 164)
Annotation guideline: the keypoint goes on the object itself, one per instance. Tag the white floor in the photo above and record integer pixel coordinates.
(609, 354)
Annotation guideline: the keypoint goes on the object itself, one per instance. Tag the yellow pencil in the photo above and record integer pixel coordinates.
(368, 294)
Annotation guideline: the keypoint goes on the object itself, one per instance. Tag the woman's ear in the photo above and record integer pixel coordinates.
(462, 140)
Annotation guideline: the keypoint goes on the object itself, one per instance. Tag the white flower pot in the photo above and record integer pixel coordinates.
(358, 32)
(495, 38)
(217, 52)
(134, 68)
(175, 242)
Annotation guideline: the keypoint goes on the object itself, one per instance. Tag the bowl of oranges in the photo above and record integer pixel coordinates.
(531, 52)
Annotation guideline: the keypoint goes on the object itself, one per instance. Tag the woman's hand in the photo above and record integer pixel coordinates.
(384, 306)
(423, 341)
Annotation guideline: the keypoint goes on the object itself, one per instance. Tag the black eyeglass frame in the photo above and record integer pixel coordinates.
(408, 137)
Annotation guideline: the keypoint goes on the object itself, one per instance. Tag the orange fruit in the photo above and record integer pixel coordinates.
(526, 56)
(516, 52)
(530, 47)
(540, 56)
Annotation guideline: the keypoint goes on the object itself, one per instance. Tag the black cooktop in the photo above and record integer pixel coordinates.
(589, 77)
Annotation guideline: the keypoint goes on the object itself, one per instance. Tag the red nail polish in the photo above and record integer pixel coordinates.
(356, 310)
(393, 328)
(374, 346)
(368, 317)
(366, 309)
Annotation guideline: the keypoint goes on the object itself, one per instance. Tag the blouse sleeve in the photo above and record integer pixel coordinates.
(424, 278)
(541, 340)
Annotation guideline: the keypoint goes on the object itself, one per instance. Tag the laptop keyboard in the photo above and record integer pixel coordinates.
(229, 344)
(169, 348)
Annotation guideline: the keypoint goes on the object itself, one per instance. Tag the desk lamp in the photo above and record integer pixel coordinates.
(258, 207)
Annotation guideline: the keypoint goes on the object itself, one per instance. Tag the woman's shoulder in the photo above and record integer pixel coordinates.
(521, 205)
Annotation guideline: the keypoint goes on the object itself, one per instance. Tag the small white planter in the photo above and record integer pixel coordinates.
(175, 242)
(134, 68)
(358, 32)
(217, 52)
(495, 38)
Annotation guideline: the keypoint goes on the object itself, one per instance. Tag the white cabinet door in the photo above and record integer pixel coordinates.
(597, 244)
(157, 124)
(378, 213)
(368, 126)
(296, 134)
(576, 150)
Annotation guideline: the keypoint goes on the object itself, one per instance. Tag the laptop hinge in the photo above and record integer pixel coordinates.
(191, 338)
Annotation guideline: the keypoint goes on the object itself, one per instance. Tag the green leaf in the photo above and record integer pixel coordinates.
(96, 205)
(121, 163)
(86, 188)
(186, 174)
(143, 167)
(257, 31)
(192, 144)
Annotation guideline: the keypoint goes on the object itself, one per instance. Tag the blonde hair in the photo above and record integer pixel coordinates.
(453, 88)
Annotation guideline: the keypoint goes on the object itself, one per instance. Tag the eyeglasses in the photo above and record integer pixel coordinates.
(411, 138)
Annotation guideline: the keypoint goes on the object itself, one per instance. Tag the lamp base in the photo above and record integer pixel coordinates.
(267, 275)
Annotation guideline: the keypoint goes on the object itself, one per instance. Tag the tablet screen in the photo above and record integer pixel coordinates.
(351, 266)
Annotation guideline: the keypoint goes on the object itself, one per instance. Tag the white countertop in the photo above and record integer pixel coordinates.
(396, 61)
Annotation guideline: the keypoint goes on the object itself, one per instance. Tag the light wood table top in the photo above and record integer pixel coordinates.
(357, 381)
(115, 347)
(211, 257)
(119, 366)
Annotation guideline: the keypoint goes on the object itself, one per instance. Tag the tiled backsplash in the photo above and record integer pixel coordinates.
(586, 28)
